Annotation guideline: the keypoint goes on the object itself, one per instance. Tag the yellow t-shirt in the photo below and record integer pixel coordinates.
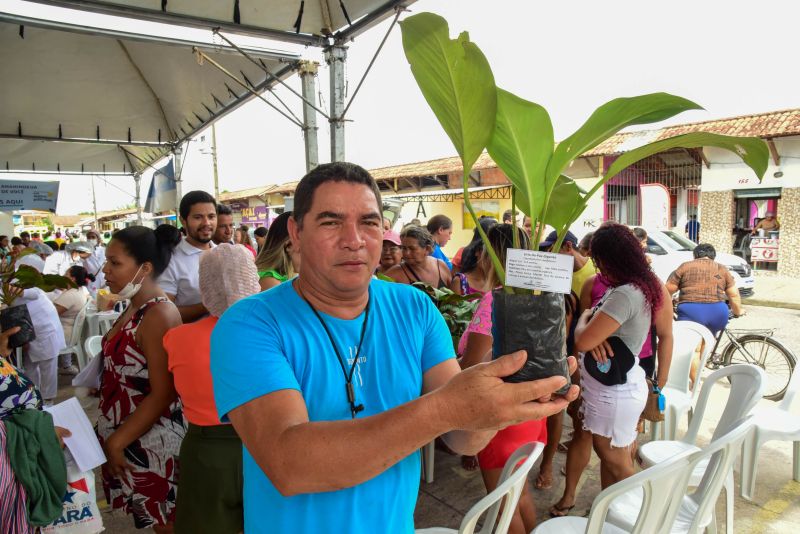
(581, 275)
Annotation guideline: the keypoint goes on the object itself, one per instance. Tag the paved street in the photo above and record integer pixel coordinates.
(775, 509)
(776, 504)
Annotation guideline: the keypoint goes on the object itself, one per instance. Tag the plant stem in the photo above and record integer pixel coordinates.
(498, 267)
(515, 234)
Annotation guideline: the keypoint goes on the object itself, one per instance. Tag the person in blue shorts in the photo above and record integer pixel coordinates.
(705, 289)
(334, 380)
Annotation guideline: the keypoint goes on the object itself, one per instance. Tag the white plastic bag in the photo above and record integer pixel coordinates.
(80, 514)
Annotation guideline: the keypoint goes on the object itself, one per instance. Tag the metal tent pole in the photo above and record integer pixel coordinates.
(308, 78)
(336, 56)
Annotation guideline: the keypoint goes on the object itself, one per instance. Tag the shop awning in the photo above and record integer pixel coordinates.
(98, 100)
(489, 192)
(770, 192)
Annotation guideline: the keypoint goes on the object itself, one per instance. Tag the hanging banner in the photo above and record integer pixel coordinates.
(655, 207)
(24, 195)
(162, 194)
(255, 216)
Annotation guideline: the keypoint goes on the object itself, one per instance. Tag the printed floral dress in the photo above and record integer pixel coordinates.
(149, 490)
(17, 392)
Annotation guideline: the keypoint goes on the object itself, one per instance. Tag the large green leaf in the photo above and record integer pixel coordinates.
(456, 80)
(27, 277)
(752, 150)
(564, 200)
(610, 118)
(54, 281)
(521, 146)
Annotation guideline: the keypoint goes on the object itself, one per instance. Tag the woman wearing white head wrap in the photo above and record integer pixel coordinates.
(211, 450)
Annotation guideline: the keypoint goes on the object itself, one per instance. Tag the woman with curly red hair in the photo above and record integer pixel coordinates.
(609, 336)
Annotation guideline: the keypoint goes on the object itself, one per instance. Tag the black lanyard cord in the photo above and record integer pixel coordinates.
(348, 377)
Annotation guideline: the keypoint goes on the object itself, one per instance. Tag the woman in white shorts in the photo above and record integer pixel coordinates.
(609, 335)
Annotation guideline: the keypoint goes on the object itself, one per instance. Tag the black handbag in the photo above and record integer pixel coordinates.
(616, 371)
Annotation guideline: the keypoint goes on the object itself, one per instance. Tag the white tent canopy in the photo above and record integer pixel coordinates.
(112, 101)
(307, 22)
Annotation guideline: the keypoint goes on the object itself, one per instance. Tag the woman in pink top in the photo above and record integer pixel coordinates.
(475, 347)
(211, 450)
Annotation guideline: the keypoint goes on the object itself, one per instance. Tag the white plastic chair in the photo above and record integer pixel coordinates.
(772, 423)
(678, 393)
(428, 452)
(506, 494)
(92, 346)
(747, 387)
(656, 494)
(695, 512)
(74, 343)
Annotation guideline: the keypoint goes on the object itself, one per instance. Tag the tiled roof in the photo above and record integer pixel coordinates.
(430, 168)
(245, 193)
(764, 125)
(66, 220)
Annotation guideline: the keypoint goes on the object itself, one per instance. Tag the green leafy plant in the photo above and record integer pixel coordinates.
(457, 310)
(457, 82)
(15, 279)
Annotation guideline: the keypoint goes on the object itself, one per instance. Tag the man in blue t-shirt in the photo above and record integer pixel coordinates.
(441, 228)
(334, 380)
(693, 229)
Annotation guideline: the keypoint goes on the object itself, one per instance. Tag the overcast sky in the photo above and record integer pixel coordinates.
(733, 57)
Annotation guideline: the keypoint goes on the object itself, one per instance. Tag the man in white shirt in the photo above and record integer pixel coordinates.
(94, 263)
(61, 260)
(181, 280)
(40, 356)
(37, 260)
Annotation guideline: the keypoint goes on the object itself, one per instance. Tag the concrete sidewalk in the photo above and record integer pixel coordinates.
(775, 291)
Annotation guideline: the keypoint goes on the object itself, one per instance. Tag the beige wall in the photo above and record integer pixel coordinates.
(789, 260)
(716, 219)
(453, 210)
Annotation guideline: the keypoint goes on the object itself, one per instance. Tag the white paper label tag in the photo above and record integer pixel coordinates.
(543, 271)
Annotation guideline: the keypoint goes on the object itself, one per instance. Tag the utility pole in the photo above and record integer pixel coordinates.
(94, 204)
(214, 159)
(177, 164)
(137, 178)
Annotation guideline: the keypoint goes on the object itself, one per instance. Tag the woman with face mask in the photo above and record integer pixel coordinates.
(141, 423)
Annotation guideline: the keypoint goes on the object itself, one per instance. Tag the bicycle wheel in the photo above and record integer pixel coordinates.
(776, 360)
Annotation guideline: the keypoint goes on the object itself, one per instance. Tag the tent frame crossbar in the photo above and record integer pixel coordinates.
(346, 34)
(246, 86)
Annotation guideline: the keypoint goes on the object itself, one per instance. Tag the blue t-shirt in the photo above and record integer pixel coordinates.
(693, 229)
(439, 253)
(273, 341)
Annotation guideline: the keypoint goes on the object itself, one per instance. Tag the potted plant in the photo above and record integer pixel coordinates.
(457, 310)
(13, 281)
(457, 82)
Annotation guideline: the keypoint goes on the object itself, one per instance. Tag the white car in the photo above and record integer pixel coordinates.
(669, 250)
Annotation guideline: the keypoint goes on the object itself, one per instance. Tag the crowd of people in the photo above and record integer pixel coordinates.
(285, 382)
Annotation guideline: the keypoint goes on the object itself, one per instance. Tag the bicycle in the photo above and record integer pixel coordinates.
(757, 347)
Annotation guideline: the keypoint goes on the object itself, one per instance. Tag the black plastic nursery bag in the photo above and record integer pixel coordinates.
(17, 316)
(536, 324)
